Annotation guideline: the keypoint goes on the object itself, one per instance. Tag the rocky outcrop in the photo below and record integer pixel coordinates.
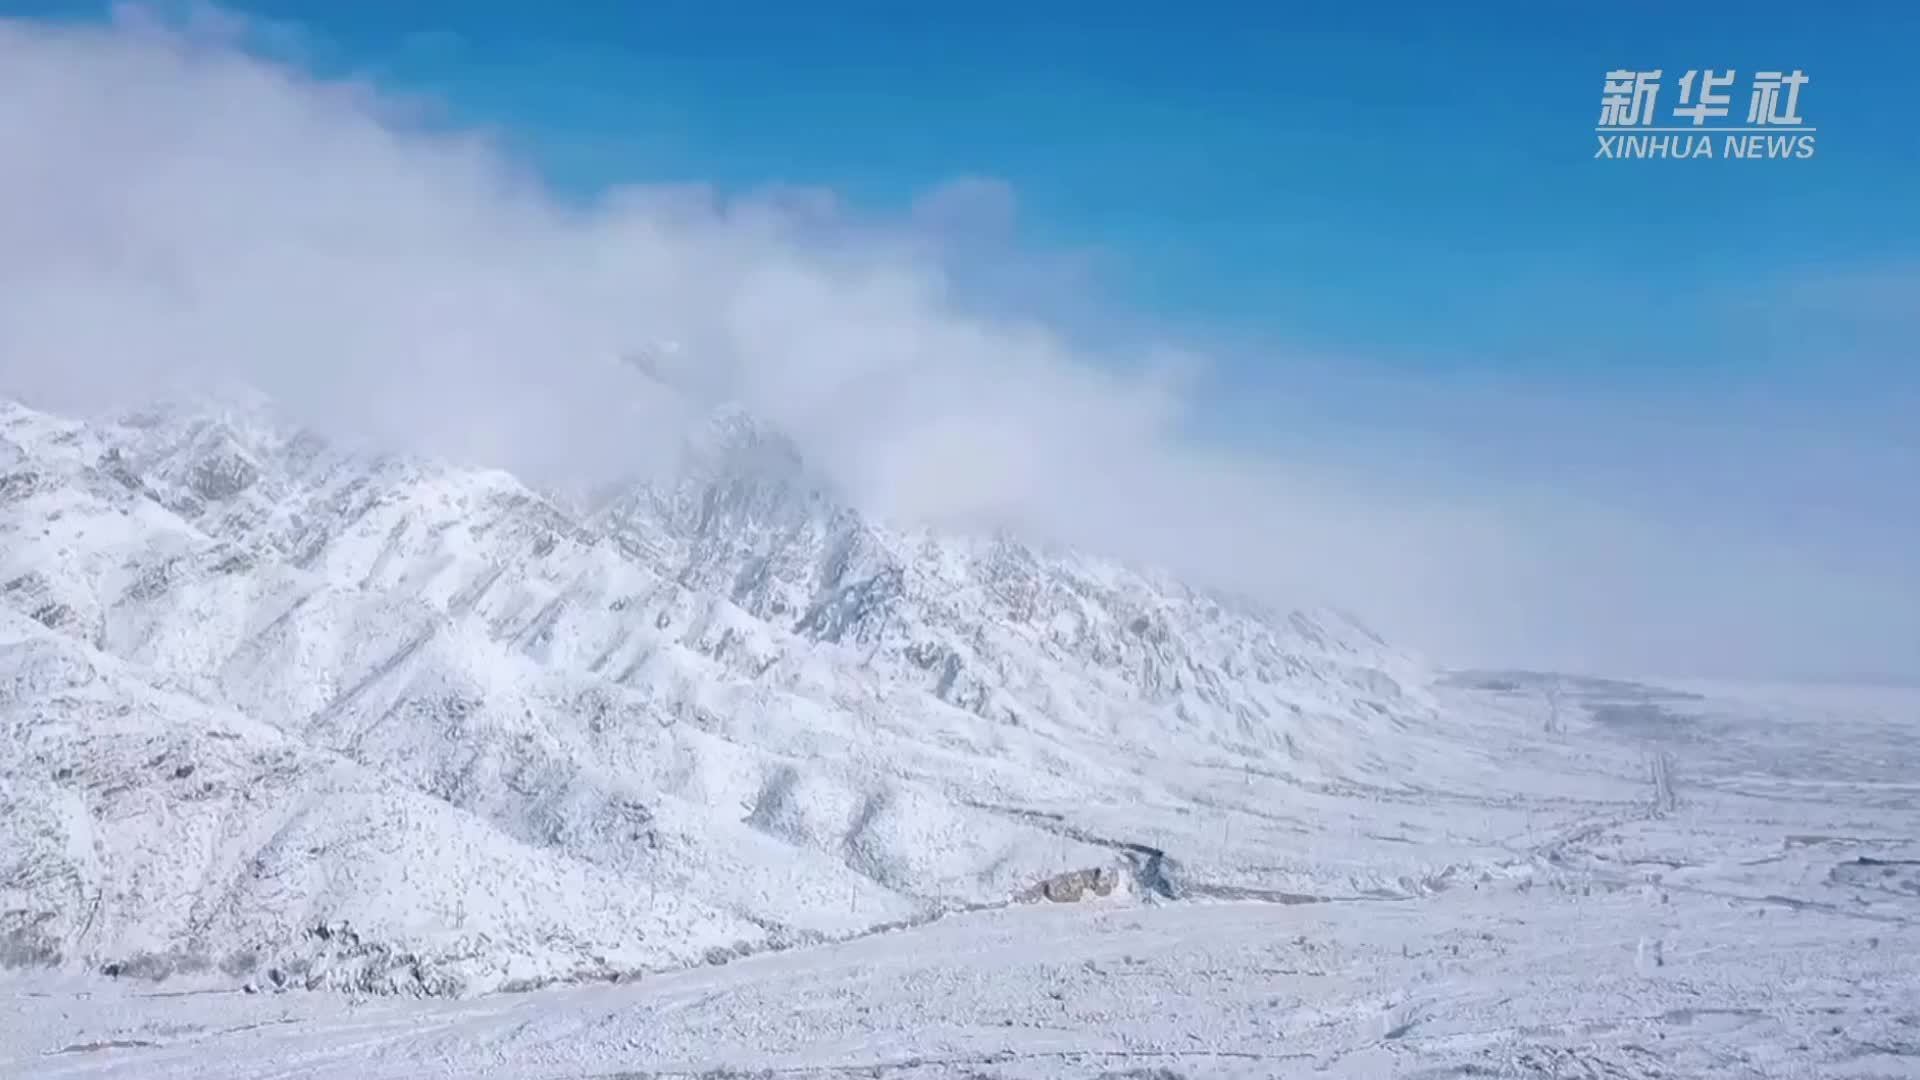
(1075, 885)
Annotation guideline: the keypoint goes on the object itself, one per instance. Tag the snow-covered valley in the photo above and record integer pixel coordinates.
(319, 763)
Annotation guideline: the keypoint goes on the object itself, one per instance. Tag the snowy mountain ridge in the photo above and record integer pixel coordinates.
(287, 712)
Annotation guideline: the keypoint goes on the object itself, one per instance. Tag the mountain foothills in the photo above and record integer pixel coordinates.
(277, 713)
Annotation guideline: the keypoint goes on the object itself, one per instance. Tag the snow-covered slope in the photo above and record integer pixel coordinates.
(1763, 924)
(164, 836)
(384, 722)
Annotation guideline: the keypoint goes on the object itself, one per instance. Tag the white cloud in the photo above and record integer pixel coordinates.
(968, 208)
(177, 212)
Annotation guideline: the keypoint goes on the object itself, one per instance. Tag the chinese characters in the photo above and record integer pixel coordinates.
(1630, 98)
(1700, 120)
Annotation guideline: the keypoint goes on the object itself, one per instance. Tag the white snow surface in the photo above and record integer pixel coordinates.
(740, 781)
(262, 688)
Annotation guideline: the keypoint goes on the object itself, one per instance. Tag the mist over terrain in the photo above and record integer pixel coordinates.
(458, 620)
(185, 207)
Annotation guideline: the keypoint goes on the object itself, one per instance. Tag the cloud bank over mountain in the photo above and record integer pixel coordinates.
(181, 211)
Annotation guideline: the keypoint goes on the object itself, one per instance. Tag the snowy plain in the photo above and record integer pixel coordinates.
(318, 765)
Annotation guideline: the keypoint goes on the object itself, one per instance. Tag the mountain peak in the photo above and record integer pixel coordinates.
(730, 439)
(727, 681)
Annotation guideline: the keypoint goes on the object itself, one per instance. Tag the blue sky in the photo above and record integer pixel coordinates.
(1383, 223)
(1412, 180)
(1409, 181)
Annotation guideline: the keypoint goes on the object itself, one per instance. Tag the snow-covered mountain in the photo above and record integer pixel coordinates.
(286, 713)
